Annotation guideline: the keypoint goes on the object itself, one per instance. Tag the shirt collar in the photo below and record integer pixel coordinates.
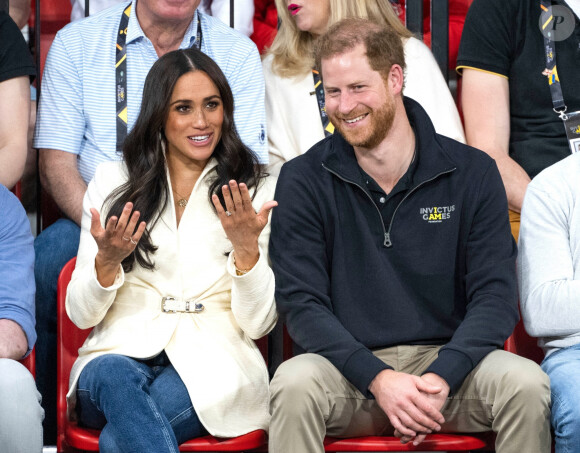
(430, 158)
(135, 32)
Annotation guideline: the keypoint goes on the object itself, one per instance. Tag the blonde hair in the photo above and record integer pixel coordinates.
(293, 49)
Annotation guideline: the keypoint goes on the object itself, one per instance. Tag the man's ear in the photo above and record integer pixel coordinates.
(396, 79)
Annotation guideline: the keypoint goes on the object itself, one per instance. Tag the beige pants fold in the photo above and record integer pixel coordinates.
(505, 393)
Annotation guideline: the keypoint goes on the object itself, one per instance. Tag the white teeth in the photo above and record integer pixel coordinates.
(199, 138)
(354, 120)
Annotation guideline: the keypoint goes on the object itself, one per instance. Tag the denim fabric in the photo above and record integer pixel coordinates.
(141, 406)
(54, 247)
(563, 368)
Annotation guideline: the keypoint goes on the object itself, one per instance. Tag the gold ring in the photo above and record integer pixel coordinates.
(126, 239)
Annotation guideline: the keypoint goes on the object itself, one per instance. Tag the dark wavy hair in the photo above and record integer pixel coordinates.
(143, 150)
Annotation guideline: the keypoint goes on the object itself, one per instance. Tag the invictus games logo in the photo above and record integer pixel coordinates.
(436, 214)
(557, 22)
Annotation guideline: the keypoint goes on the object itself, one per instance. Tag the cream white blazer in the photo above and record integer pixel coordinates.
(212, 351)
(294, 124)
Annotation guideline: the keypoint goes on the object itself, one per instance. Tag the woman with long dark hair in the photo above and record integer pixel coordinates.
(175, 280)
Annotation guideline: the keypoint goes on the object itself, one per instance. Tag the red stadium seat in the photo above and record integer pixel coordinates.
(522, 344)
(433, 442)
(30, 362)
(70, 436)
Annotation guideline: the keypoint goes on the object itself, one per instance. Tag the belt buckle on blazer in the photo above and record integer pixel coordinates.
(170, 304)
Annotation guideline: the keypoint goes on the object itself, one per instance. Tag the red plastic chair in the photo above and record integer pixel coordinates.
(69, 435)
(30, 362)
(519, 343)
(522, 344)
(433, 442)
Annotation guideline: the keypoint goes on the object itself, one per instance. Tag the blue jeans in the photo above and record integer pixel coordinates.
(54, 247)
(141, 406)
(563, 368)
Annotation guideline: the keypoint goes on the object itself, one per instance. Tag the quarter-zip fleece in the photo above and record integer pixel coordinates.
(440, 271)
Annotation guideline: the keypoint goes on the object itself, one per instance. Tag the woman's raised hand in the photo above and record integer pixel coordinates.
(115, 242)
(242, 223)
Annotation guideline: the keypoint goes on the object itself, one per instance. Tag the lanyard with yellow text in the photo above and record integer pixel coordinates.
(571, 120)
(121, 73)
(319, 90)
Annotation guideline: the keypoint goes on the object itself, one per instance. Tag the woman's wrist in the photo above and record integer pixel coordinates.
(244, 261)
(106, 271)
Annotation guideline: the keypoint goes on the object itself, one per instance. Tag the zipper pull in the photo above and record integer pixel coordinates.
(387, 242)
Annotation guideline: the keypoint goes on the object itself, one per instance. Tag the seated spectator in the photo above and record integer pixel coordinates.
(549, 275)
(265, 24)
(175, 284)
(20, 411)
(78, 127)
(16, 67)
(294, 97)
(509, 73)
(395, 272)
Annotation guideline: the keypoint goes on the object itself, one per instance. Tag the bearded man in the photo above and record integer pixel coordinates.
(395, 272)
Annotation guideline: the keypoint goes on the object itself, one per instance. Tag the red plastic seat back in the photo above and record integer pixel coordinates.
(69, 339)
(30, 362)
(522, 344)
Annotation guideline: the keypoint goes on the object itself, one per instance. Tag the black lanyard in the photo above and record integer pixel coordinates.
(319, 90)
(121, 73)
(551, 70)
(571, 120)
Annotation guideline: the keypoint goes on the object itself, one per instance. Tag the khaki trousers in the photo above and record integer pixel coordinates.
(505, 393)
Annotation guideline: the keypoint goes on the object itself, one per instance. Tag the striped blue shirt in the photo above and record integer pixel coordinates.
(77, 104)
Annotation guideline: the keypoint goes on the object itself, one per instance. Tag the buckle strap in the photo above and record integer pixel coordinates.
(170, 304)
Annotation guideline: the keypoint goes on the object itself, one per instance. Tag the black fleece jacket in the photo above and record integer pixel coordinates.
(441, 271)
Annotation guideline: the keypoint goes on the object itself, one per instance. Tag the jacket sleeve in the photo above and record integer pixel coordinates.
(87, 302)
(301, 259)
(253, 303)
(490, 284)
(550, 290)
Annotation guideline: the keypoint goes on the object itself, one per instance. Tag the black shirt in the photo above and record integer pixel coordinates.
(503, 37)
(15, 58)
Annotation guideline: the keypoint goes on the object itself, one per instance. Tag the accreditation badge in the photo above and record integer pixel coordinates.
(572, 125)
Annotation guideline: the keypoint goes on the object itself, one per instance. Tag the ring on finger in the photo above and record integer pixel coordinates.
(126, 238)
(133, 242)
(228, 213)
